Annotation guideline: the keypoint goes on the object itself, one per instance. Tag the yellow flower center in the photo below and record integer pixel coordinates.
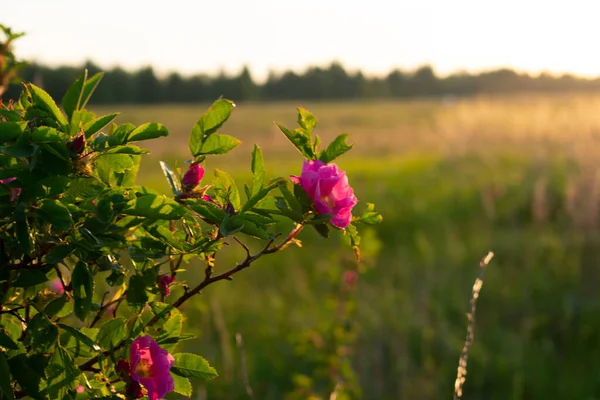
(329, 200)
(144, 369)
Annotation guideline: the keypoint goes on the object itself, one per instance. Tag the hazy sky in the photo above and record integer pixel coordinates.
(373, 35)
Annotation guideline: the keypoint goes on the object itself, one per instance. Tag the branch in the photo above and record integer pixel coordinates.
(209, 279)
(462, 362)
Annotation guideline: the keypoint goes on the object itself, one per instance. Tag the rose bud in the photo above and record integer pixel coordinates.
(77, 145)
(192, 177)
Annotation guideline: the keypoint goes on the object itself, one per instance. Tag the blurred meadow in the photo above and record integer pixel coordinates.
(454, 178)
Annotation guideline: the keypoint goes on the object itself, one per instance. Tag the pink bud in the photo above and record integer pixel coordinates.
(350, 278)
(164, 283)
(77, 145)
(192, 177)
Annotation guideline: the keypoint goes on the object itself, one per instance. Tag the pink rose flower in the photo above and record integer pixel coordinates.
(164, 283)
(151, 366)
(192, 177)
(327, 186)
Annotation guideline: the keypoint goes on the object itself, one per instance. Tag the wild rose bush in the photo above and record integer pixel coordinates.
(88, 257)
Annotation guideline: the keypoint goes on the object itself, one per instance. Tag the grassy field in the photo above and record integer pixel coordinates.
(454, 178)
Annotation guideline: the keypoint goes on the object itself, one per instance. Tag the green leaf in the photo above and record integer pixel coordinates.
(261, 194)
(209, 123)
(173, 326)
(46, 103)
(322, 229)
(112, 332)
(97, 124)
(354, 239)
(6, 391)
(59, 307)
(292, 201)
(58, 253)
(10, 131)
(155, 207)
(62, 374)
(172, 178)
(168, 237)
(226, 189)
(80, 337)
(218, 144)
(136, 292)
(126, 149)
(258, 170)
(70, 101)
(28, 378)
(147, 131)
(210, 211)
(306, 203)
(22, 228)
(306, 120)
(192, 366)
(300, 141)
(59, 150)
(78, 120)
(115, 162)
(84, 188)
(29, 278)
(369, 216)
(42, 333)
(319, 219)
(51, 186)
(335, 149)
(57, 214)
(182, 386)
(80, 92)
(6, 341)
(83, 289)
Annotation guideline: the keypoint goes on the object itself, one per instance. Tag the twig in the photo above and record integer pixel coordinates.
(103, 309)
(462, 362)
(243, 366)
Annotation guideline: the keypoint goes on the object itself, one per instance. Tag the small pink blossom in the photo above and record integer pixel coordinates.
(350, 278)
(151, 366)
(327, 186)
(80, 389)
(192, 177)
(57, 286)
(15, 191)
(6, 181)
(164, 283)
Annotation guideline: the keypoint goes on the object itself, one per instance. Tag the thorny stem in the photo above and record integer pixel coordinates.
(462, 362)
(209, 279)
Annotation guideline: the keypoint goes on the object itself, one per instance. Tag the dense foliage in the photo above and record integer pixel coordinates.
(88, 258)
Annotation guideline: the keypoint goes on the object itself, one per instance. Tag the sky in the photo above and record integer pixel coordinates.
(375, 36)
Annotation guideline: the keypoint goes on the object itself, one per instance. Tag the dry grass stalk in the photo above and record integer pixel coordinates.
(462, 362)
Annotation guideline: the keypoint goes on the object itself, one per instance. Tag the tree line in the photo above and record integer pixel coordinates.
(143, 86)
